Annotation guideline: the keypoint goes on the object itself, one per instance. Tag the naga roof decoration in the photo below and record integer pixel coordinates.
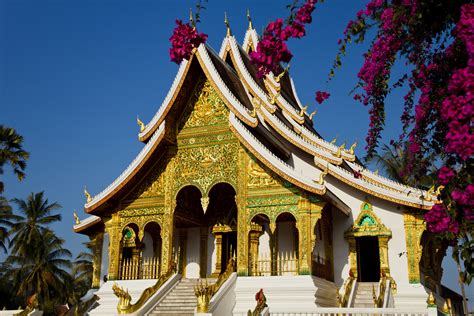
(267, 106)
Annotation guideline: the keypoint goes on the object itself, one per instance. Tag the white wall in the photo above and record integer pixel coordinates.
(104, 266)
(264, 242)
(211, 253)
(391, 216)
(193, 253)
(319, 245)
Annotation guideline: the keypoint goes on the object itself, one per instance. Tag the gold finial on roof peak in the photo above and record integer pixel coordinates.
(141, 124)
(76, 218)
(249, 19)
(88, 196)
(226, 22)
(191, 18)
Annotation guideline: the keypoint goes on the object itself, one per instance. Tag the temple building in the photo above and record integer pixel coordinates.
(235, 187)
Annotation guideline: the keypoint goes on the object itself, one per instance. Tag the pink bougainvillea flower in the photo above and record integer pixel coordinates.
(321, 96)
(445, 175)
(185, 38)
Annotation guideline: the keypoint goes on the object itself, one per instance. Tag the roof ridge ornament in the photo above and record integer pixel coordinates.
(141, 124)
(312, 114)
(76, 218)
(322, 175)
(303, 110)
(191, 18)
(88, 196)
(226, 22)
(353, 146)
(339, 150)
(249, 18)
(333, 141)
(285, 70)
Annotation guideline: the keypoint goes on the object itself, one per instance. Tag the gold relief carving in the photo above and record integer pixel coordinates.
(414, 227)
(112, 226)
(242, 227)
(258, 177)
(206, 107)
(153, 184)
(205, 166)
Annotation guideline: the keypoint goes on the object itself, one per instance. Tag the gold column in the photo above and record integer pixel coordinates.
(414, 228)
(112, 226)
(352, 256)
(203, 252)
(254, 236)
(218, 270)
(97, 241)
(309, 214)
(383, 251)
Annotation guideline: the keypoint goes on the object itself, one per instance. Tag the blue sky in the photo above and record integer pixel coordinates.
(75, 74)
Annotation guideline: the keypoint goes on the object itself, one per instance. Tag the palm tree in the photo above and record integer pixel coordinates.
(6, 217)
(394, 160)
(11, 152)
(42, 271)
(83, 264)
(32, 223)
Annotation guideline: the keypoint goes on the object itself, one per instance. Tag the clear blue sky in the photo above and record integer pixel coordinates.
(74, 75)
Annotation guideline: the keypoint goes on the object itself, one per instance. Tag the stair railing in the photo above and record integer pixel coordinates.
(347, 290)
(124, 305)
(204, 291)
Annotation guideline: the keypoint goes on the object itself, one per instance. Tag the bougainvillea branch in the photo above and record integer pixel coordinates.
(184, 40)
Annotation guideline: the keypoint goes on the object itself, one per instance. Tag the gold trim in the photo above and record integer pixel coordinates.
(276, 170)
(124, 305)
(145, 137)
(221, 95)
(369, 191)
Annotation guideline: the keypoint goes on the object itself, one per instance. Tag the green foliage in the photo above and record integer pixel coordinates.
(12, 153)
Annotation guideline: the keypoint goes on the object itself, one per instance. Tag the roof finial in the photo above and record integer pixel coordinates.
(88, 196)
(191, 18)
(226, 22)
(353, 146)
(76, 218)
(312, 114)
(303, 110)
(250, 20)
(140, 123)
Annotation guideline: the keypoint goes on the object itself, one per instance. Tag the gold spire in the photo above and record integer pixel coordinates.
(303, 110)
(140, 123)
(250, 20)
(353, 146)
(191, 18)
(76, 218)
(88, 196)
(226, 22)
(312, 114)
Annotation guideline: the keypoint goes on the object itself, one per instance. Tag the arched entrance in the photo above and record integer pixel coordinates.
(287, 240)
(273, 247)
(368, 246)
(151, 252)
(130, 248)
(205, 228)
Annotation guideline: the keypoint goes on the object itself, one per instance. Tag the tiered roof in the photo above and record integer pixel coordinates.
(268, 118)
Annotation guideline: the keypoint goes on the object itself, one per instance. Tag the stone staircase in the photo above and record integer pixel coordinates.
(363, 296)
(180, 301)
(283, 293)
